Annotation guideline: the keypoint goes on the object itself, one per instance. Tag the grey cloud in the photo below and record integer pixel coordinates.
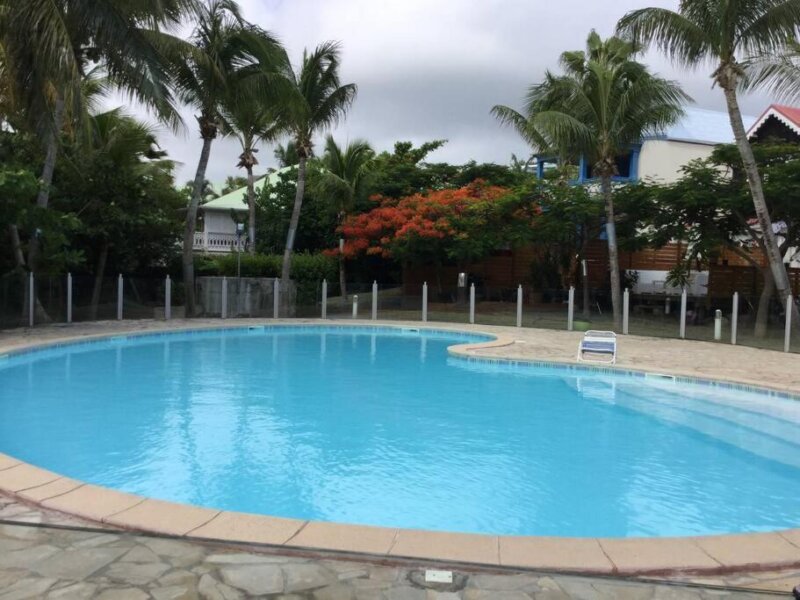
(433, 68)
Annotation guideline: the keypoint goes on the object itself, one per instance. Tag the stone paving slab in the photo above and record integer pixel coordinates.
(68, 563)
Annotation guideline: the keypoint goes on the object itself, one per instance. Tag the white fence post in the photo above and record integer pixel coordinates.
(472, 304)
(787, 343)
(167, 299)
(324, 298)
(355, 306)
(718, 325)
(224, 311)
(571, 308)
(69, 297)
(31, 299)
(374, 300)
(626, 310)
(519, 306)
(119, 297)
(683, 314)
(425, 302)
(734, 317)
(276, 298)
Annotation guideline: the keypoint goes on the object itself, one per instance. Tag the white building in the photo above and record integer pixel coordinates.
(661, 157)
(216, 232)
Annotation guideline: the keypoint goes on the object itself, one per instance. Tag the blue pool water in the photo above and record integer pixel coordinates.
(382, 427)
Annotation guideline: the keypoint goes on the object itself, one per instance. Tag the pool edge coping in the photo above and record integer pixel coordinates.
(707, 555)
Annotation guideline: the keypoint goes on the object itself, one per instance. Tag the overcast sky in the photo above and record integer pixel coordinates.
(429, 69)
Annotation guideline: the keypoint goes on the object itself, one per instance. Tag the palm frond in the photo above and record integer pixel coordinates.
(778, 74)
(682, 39)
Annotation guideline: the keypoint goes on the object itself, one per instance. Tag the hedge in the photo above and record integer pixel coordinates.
(308, 270)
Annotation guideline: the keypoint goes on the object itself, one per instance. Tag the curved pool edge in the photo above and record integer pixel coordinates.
(606, 556)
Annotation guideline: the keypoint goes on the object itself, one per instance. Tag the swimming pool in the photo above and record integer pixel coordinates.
(381, 426)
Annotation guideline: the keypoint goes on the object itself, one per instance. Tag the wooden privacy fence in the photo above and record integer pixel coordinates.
(723, 281)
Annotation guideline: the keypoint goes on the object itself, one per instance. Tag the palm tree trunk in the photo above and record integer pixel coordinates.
(762, 313)
(98, 281)
(46, 180)
(16, 246)
(191, 224)
(251, 209)
(613, 254)
(286, 269)
(585, 277)
(41, 315)
(759, 200)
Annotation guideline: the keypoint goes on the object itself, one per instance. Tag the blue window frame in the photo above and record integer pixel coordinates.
(627, 165)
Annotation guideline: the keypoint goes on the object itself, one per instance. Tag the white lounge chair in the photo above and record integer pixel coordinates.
(599, 343)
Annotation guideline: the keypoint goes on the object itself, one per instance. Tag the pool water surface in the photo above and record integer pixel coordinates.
(383, 427)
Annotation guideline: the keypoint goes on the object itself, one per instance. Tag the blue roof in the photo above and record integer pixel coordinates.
(703, 126)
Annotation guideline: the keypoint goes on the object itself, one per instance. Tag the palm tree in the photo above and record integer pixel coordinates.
(49, 46)
(343, 182)
(225, 49)
(127, 145)
(726, 35)
(286, 154)
(232, 184)
(317, 101)
(251, 118)
(603, 104)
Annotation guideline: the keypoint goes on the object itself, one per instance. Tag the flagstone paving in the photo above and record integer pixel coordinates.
(44, 554)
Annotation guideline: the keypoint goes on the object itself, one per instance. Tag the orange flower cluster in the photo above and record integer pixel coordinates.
(419, 217)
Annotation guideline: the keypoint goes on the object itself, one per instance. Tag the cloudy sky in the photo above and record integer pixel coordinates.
(429, 69)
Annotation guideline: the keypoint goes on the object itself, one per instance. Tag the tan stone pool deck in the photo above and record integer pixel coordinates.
(632, 556)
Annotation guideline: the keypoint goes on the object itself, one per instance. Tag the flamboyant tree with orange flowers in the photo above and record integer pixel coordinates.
(464, 225)
(453, 225)
(421, 227)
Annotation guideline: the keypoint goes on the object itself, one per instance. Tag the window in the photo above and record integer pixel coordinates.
(624, 163)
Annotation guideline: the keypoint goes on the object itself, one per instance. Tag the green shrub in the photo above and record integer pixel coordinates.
(257, 265)
(308, 270)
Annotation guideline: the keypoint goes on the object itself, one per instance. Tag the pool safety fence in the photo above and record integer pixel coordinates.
(35, 299)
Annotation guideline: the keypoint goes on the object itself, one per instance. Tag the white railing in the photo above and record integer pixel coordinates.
(208, 241)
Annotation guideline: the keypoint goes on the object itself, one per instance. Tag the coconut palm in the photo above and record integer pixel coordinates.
(225, 50)
(601, 105)
(726, 35)
(317, 101)
(343, 182)
(251, 118)
(286, 154)
(231, 184)
(118, 143)
(48, 46)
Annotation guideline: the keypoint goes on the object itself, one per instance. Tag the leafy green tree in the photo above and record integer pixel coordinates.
(315, 101)
(569, 218)
(604, 102)
(710, 208)
(222, 64)
(727, 35)
(343, 182)
(49, 47)
(403, 172)
(114, 189)
(316, 229)
(491, 173)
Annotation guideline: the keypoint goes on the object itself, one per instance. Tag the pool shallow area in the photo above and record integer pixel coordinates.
(382, 426)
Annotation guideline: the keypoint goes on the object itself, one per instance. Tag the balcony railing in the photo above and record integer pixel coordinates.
(208, 241)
